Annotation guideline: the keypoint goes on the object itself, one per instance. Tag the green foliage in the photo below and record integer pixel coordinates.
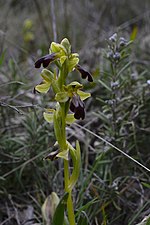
(58, 218)
(83, 219)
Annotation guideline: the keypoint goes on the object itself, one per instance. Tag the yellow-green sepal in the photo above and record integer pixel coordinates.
(47, 75)
(57, 48)
(70, 119)
(63, 154)
(66, 45)
(62, 59)
(83, 95)
(48, 116)
(61, 97)
(72, 62)
(43, 88)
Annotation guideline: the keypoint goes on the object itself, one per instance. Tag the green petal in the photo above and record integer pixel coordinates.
(76, 85)
(61, 97)
(72, 88)
(70, 118)
(55, 47)
(63, 154)
(73, 61)
(48, 117)
(47, 75)
(67, 45)
(75, 55)
(43, 88)
(83, 95)
(62, 59)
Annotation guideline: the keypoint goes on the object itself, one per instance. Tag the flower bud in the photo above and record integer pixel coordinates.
(114, 84)
(116, 56)
(113, 38)
(122, 42)
(110, 55)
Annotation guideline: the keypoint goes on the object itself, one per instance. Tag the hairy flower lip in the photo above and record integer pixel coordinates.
(77, 107)
(85, 74)
(45, 60)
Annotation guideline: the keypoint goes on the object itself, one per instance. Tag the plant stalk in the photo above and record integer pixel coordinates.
(70, 208)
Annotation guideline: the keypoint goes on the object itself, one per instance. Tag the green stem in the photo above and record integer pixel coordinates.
(66, 174)
(70, 208)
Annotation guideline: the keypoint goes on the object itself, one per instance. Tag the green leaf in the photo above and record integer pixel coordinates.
(61, 97)
(83, 95)
(146, 185)
(83, 219)
(49, 207)
(70, 118)
(58, 218)
(76, 158)
(104, 85)
(124, 68)
(86, 206)
(148, 221)
(134, 33)
(43, 88)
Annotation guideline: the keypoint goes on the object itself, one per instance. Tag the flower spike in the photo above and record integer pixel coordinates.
(68, 97)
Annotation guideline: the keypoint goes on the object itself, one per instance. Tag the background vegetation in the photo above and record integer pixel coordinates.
(112, 188)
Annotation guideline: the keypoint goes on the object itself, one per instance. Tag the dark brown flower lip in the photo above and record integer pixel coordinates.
(85, 74)
(77, 107)
(79, 113)
(45, 60)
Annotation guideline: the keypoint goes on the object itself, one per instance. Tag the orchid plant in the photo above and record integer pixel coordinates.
(69, 107)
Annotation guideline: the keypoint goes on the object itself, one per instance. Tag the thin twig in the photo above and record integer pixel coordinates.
(113, 146)
(10, 106)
